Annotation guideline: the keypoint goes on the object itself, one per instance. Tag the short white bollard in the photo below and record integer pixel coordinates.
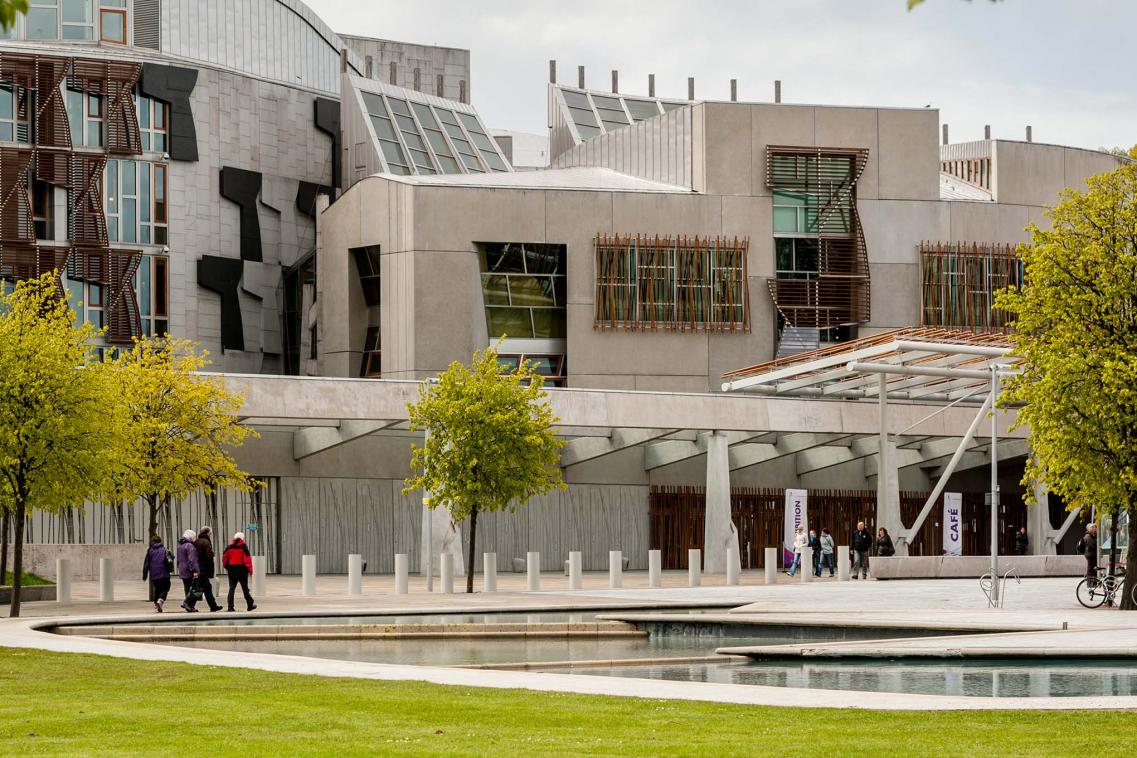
(694, 567)
(62, 580)
(308, 575)
(770, 559)
(354, 574)
(843, 563)
(106, 580)
(489, 572)
(615, 569)
(574, 570)
(733, 567)
(533, 571)
(260, 568)
(806, 564)
(447, 573)
(655, 568)
(402, 572)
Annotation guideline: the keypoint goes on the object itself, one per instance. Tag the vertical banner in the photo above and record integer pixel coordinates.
(953, 523)
(795, 517)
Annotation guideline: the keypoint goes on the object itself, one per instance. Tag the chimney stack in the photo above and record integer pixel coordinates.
(580, 77)
(369, 67)
(651, 85)
(734, 90)
(615, 82)
(945, 134)
(1029, 136)
(552, 72)
(777, 90)
(690, 88)
(987, 131)
(343, 61)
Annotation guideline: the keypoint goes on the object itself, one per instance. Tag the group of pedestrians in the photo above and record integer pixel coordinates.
(824, 553)
(196, 567)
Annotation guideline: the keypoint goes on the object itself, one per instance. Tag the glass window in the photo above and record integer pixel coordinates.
(548, 323)
(7, 115)
(796, 257)
(42, 21)
(529, 279)
(495, 290)
(502, 257)
(78, 19)
(509, 322)
(642, 110)
(531, 290)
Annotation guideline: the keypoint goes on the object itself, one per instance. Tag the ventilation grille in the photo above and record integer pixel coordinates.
(148, 24)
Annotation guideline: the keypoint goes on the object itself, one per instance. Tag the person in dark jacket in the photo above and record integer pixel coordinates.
(156, 567)
(1089, 545)
(1022, 542)
(206, 563)
(815, 544)
(862, 546)
(238, 563)
(188, 568)
(884, 546)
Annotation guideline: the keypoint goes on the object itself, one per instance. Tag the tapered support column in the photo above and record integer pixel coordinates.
(719, 534)
(439, 527)
(888, 475)
(1038, 528)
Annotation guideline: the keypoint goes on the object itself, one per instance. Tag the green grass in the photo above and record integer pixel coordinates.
(53, 703)
(29, 579)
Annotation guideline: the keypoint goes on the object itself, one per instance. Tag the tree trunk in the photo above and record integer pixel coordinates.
(152, 503)
(18, 559)
(1127, 597)
(473, 552)
(7, 520)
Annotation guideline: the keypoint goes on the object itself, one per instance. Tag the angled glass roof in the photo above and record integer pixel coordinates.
(419, 134)
(592, 113)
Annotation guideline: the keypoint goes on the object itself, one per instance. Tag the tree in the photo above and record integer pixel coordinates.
(58, 423)
(183, 426)
(1075, 322)
(1121, 152)
(490, 445)
(9, 9)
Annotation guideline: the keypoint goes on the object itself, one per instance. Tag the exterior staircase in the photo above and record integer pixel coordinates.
(798, 339)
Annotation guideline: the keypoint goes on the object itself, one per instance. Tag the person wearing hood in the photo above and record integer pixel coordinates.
(188, 568)
(156, 567)
(238, 563)
(207, 565)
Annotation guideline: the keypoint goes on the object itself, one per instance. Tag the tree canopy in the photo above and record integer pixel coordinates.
(489, 443)
(9, 9)
(1075, 322)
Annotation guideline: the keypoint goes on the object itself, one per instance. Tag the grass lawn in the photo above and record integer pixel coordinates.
(53, 703)
(29, 579)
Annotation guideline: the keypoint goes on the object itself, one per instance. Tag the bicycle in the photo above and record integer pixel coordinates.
(1092, 592)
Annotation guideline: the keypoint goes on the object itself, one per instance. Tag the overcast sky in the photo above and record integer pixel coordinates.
(1064, 66)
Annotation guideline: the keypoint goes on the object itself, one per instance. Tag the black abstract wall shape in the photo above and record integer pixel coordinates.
(223, 276)
(243, 187)
(306, 196)
(327, 119)
(174, 84)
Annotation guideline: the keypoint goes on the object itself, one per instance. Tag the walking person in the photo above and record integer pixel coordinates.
(207, 566)
(862, 546)
(238, 563)
(156, 567)
(826, 540)
(815, 547)
(1022, 541)
(188, 569)
(884, 546)
(800, 541)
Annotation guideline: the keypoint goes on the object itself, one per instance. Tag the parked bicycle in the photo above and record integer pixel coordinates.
(1102, 588)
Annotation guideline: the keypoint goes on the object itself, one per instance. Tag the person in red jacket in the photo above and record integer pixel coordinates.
(238, 562)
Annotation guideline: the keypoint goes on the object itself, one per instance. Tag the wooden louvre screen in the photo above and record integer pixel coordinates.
(696, 284)
(959, 281)
(838, 295)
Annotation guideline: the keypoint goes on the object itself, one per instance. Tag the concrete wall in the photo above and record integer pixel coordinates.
(1031, 173)
(40, 559)
(452, 63)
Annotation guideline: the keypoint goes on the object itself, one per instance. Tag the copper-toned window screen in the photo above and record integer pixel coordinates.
(960, 280)
(672, 283)
(826, 181)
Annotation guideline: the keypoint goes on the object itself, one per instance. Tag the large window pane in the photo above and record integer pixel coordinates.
(42, 23)
(383, 128)
(785, 220)
(531, 290)
(495, 290)
(548, 323)
(508, 322)
(502, 257)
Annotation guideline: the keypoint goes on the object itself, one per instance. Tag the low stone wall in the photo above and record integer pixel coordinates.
(28, 594)
(974, 566)
(40, 559)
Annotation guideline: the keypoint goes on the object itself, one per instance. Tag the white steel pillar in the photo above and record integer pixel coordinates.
(720, 536)
(888, 475)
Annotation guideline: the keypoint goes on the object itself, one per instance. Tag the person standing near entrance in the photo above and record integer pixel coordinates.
(207, 566)
(862, 546)
(815, 546)
(800, 541)
(1022, 542)
(826, 540)
(238, 563)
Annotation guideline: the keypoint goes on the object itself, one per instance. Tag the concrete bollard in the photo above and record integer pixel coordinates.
(308, 575)
(655, 568)
(806, 564)
(574, 570)
(402, 572)
(260, 568)
(489, 572)
(771, 562)
(843, 563)
(533, 571)
(733, 567)
(354, 574)
(447, 573)
(615, 569)
(62, 581)
(694, 567)
(106, 580)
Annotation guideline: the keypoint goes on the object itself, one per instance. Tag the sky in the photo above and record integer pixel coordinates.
(1066, 67)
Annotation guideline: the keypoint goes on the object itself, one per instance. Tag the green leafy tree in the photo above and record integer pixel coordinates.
(490, 443)
(59, 425)
(9, 9)
(182, 426)
(1075, 322)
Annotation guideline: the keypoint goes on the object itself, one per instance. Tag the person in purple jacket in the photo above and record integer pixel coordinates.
(156, 567)
(188, 568)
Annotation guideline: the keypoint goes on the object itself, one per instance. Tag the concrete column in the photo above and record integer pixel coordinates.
(806, 564)
(655, 568)
(446, 573)
(771, 561)
(694, 567)
(733, 567)
(574, 570)
(308, 574)
(719, 532)
(106, 580)
(355, 574)
(489, 572)
(260, 568)
(402, 569)
(533, 571)
(1038, 528)
(62, 581)
(842, 563)
(888, 475)
(615, 569)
